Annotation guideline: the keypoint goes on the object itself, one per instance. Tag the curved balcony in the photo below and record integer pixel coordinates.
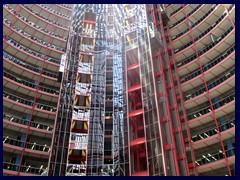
(60, 9)
(34, 29)
(28, 68)
(214, 63)
(9, 168)
(198, 23)
(167, 5)
(12, 11)
(174, 13)
(188, 15)
(28, 87)
(44, 22)
(54, 13)
(40, 55)
(180, 16)
(16, 124)
(211, 136)
(15, 144)
(221, 44)
(209, 14)
(33, 42)
(68, 7)
(19, 87)
(196, 86)
(171, 8)
(218, 105)
(63, 16)
(50, 13)
(23, 105)
(232, 12)
(188, 51)
(64, 7)
(204, 37)
(215, 161)
(21, 52)
(216, 87)
(213, 131)
(209, 117)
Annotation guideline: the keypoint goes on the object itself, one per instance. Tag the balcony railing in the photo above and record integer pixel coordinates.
(32, 146)
(29, 84)
(191, 42)
(176, 11)
(25, 122)
(203, 34)
(231, 6)
(208, 65)
(196, 23)
(215, 157)
(28, 66)
(213, 131)
(49, 9)
(211, 84)
(33, 24)
(31, 37)
(28, 102)
(205, 49)
(23, 169)
(189, 14)
(30, 51)
(64, 5)
(216, 105)
(45, 18)
(202, 51)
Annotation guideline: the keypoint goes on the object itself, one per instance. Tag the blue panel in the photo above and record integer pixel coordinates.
(23, 138)
(17, 162)
(18, 158)
(230, 147)
(222, 121)
(27, 119)
(216, 105)
(212, 85)
(223, 126)
(205, 67)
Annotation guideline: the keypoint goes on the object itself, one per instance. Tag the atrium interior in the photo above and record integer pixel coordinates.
(119, 90)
